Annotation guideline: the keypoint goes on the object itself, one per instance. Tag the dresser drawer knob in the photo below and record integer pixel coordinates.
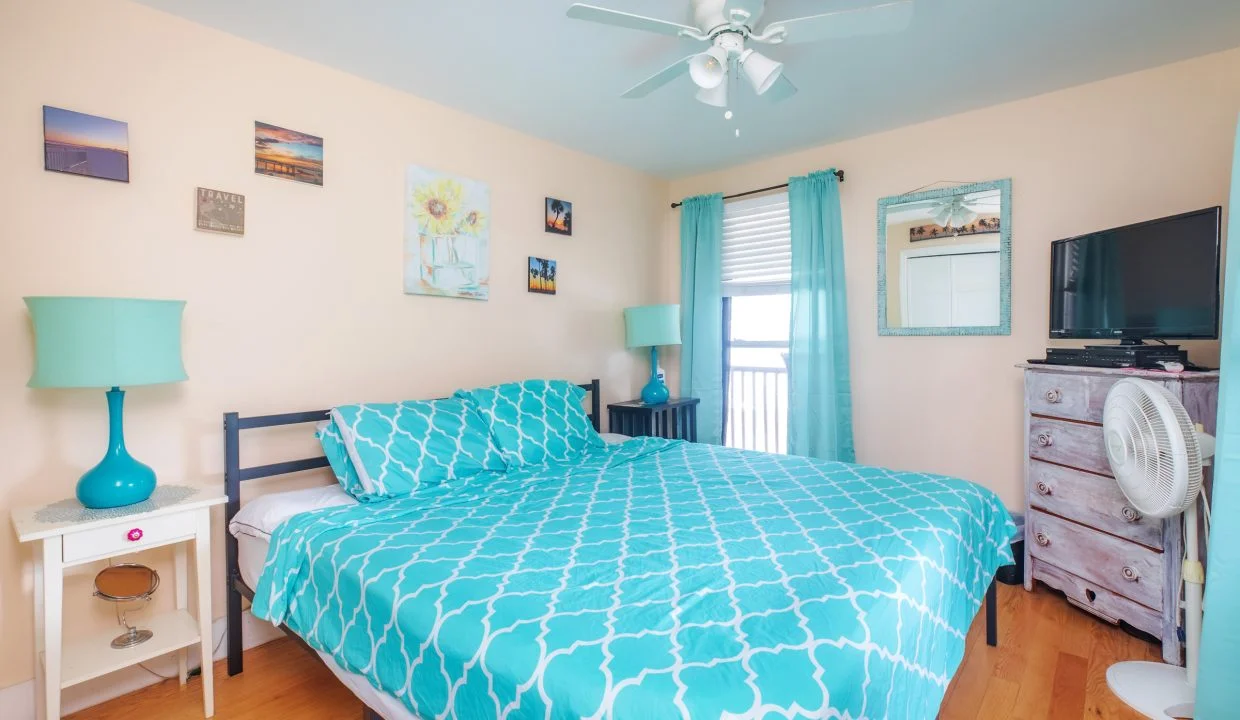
(1045, 439)
(1130, 514)
(1130, 574)
(1054, 395)
(1042, 539)
(134, 535)
(1043, 488)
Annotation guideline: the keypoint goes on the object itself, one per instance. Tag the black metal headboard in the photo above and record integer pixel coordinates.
(234, 475)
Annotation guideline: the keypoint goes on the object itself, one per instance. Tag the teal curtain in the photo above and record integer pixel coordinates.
(701, 311)
(1218, 692)
(819, 394)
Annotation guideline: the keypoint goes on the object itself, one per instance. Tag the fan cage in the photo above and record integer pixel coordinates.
(1152, 447)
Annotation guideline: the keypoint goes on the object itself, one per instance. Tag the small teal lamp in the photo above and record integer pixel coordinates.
(85, 342)
(651, 326)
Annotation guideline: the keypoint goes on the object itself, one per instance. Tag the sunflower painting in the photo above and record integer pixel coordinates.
(447, 235)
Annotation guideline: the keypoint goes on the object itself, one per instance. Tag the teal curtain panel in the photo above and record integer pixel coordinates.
(1218, 692)
(819, 392)
(701, 306)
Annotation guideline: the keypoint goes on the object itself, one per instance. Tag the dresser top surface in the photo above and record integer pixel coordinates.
(1125, 372)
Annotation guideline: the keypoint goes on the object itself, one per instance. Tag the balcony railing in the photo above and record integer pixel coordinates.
(757, 408)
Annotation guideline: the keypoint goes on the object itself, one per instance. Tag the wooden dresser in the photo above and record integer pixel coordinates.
(1081, 535)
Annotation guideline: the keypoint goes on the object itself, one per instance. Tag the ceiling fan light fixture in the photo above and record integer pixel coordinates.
(761, 70)
(715, 97)
(709, 68)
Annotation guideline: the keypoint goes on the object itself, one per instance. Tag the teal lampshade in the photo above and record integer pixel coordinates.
(652, 325)
(87, 342)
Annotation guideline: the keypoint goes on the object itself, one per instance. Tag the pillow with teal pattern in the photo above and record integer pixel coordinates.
(400, 448)
(535, 421)
(338, 457)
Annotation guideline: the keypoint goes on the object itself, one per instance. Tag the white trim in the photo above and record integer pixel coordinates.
(18, 700)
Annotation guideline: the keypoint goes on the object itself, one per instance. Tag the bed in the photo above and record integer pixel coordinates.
(651, 578)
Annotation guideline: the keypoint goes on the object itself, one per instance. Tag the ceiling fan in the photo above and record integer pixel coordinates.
(729, 25)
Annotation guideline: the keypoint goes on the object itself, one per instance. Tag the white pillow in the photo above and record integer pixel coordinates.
(261, 516)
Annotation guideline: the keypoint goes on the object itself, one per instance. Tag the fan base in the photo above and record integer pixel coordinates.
(1153, 689)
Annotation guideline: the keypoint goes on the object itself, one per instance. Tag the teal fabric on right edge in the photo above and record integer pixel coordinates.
(701, 310)
(1218, 692)
(819, 389)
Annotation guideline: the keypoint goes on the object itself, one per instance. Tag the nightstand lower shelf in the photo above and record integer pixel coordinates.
(93, 656)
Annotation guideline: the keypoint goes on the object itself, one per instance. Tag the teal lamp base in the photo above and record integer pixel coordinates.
(118, 479)
(655, 392)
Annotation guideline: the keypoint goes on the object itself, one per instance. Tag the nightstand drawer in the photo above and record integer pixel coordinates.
(128, 537)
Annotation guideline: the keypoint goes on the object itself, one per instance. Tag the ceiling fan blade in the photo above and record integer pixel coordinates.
(591, 13)
(659, 79)
(780, 91)
(886, 18)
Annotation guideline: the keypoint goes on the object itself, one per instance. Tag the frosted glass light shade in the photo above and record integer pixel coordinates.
(652, 325)
(83, 342)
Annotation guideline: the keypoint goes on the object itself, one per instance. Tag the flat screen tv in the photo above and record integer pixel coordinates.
(1156, 279)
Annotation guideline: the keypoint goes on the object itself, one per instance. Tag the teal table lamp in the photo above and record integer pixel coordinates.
(651, 326)
(84, 342)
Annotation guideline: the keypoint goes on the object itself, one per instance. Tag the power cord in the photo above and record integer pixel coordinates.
(193, 671)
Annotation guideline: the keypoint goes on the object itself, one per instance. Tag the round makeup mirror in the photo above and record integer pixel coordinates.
(127, 583)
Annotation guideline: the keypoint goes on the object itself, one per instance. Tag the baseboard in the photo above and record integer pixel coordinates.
(18, 701)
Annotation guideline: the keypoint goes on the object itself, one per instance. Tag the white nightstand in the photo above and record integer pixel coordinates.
(71, 535)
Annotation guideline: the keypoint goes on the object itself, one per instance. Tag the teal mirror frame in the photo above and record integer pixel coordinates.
(1005, 259)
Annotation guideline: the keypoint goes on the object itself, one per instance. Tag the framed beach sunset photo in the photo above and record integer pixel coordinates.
(82, 144)
(288, 154)
(559, 216)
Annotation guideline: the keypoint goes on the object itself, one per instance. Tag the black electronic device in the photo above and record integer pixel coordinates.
(1148, 357)
(1156, 279)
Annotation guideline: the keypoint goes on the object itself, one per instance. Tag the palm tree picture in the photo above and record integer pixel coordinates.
(559, 216)
(542, 276)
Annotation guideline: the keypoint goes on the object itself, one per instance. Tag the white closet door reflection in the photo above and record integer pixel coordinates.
(951, 290)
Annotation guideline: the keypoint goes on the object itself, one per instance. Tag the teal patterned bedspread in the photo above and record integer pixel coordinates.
(650, 579)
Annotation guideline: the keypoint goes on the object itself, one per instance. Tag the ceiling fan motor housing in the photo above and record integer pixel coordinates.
(714, 15)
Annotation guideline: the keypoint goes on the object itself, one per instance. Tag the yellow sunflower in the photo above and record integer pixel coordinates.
(435, 205)
(473, 223)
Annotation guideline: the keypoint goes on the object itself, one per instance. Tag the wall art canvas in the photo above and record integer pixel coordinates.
(447, 235)
(82, 144)
(219, 211)
(288, 154)
(933, 231)
(559, 216)
(542, 276)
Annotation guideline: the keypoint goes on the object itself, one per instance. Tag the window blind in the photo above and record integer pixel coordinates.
(757, 246)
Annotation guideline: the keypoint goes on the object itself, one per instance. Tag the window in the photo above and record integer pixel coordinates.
(757, 273)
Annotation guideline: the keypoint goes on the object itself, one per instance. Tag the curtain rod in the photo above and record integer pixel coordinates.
(838, 173)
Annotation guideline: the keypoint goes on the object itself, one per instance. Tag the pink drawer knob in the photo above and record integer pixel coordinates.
(1043, 488)
(134, 535)
(1130, 514)
(1054, 396)
(1045, 439)
(1042, 539)
(1130, 574)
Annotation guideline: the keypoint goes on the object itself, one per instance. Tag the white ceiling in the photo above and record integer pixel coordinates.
(523, 64)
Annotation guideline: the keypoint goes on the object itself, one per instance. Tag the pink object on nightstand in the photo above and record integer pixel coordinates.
(135, 535)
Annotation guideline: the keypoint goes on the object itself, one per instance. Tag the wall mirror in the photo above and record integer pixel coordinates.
(945, 261)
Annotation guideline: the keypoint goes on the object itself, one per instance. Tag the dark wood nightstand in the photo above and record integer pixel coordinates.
(675, 419)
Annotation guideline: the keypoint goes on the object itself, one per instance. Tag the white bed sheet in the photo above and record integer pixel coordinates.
(251, 556)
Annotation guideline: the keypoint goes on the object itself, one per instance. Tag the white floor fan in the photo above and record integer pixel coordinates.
(1157, 456)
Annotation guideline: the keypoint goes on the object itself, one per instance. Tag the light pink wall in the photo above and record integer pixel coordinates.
(307, 309)
(1122, 150)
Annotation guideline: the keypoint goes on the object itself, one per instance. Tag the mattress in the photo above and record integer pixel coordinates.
(252, 553)
(654, 578)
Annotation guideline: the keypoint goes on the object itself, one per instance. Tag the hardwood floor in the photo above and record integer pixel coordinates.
(1050, 664)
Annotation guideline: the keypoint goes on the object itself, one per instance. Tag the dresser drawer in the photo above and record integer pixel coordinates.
(1097, 600)
(1068, 443)
(131, 537)
(1131, 570)
(1089, 499)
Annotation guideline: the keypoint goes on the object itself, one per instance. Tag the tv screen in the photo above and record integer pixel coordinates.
(1156, 279)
